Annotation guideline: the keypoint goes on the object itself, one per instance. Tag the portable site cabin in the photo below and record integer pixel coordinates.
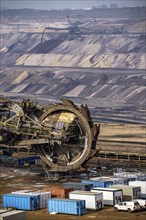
(110, 196)
(93, 201)
(129, 192)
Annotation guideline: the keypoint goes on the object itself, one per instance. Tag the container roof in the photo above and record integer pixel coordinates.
(81, 192)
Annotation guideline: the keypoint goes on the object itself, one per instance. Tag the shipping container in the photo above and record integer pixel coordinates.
(93, 201)
(141, 178)
(28, 160)
(129, 192)
(114, 180)
(125, 175)
(98, 183)
(110, 196)
(78, 186)
(42, 195)
(143, 196)
(142, 184)
(13, 215)
(66, 206)
(22, 192)
(31, 193)
(58, 191)
(126, 180)
(130, 175)
(22, 202)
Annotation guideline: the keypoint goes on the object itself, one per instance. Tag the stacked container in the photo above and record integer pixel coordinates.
(93, 201)
(110, 196)
(66, 206)
(129, 192)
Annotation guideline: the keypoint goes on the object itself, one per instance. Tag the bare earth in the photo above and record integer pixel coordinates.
(113, 136)
(123, 138)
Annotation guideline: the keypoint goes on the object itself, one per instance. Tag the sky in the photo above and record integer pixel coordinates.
(73, 4)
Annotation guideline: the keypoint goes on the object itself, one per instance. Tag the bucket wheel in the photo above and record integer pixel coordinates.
(72, 137)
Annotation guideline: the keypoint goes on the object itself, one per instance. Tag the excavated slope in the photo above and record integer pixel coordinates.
(122, 84)
(111, 49)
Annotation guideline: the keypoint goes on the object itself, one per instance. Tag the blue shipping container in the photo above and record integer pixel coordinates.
(67, 206)
(22, 202)
(99, 183)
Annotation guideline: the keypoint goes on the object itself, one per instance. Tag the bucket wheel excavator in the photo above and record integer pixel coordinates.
(63, 134)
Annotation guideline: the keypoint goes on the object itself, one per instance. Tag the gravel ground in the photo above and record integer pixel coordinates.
(13, 178)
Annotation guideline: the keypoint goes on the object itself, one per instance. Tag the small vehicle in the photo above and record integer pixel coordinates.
(142, 203)
(130, 206)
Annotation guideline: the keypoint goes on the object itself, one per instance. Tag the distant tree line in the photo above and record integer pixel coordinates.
(112, 12)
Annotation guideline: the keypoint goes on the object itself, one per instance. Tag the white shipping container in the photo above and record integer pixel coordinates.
(110, 196)
(44, 196)
(13, 215)
(142, 184)
(129, 174)
(93, 201)
(115, 180)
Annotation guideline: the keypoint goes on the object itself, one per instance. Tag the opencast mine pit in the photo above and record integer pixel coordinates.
(93, 57)
(99, 61)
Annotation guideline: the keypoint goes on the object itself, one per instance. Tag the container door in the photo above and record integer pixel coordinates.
(100, 204)
(136, 193)
(80, 207)
(97, 205)
(32, 204)
(36, 202)
(117, 197)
